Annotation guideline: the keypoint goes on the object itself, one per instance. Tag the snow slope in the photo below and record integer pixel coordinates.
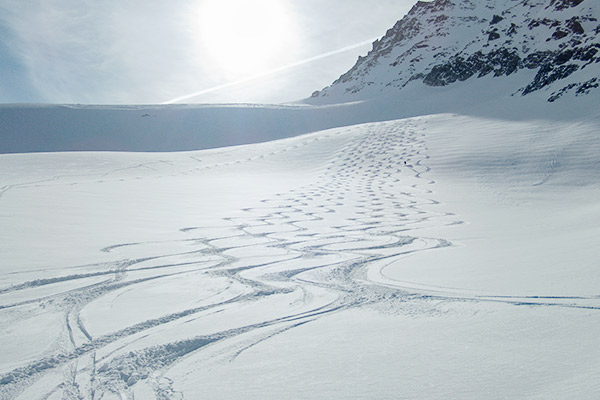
(398, 241)
(442, 256)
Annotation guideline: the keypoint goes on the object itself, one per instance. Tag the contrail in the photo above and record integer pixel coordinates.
(263, 74)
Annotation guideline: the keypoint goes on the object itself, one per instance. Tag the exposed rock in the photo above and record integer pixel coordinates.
(582, 89)
(428, 7)
(552, 23)
(496, 19)
(500, 62)
(560, 5)
(585, 87)
(443, 42)
(575, 25)
(559, 34)
(493, 35)
(548, 74)
(557, 95)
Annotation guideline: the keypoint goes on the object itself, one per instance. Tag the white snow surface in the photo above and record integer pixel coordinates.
(442, 256)
(433, 242)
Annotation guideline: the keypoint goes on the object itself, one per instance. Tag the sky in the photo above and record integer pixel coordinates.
(183, 51)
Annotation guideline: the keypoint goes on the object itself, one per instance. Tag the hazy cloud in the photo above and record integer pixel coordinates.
(78, 51)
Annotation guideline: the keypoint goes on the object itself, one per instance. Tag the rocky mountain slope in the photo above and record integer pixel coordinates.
(551, 46)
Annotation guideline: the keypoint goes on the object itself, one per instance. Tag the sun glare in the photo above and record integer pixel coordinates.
(244, 37)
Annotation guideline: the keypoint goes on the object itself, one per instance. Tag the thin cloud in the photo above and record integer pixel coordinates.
(270, 72)
(146, 51)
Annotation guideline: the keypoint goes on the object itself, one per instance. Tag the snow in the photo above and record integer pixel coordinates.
(441, 243)
(450, 255)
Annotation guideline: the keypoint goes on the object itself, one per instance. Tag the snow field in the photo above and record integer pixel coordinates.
(434, 257)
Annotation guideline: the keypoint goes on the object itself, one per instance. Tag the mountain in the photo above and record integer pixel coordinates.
(549, 47)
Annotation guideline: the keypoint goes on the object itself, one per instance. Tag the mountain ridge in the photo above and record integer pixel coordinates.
(553, 43)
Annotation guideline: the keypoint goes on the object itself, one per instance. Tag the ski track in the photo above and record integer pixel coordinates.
(378, 181)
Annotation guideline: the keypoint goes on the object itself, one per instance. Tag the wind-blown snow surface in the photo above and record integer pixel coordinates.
(433, 257)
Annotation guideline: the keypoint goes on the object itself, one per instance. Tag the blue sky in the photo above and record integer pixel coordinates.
(151, 51)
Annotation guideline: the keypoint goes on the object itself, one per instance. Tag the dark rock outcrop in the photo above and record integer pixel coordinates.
(443, 42)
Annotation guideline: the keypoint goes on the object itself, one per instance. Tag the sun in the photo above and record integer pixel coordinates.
(244, 37)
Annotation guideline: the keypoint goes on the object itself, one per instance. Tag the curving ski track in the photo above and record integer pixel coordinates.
(300, 255)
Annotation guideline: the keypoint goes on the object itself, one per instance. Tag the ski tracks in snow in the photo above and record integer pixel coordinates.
(298, 256)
